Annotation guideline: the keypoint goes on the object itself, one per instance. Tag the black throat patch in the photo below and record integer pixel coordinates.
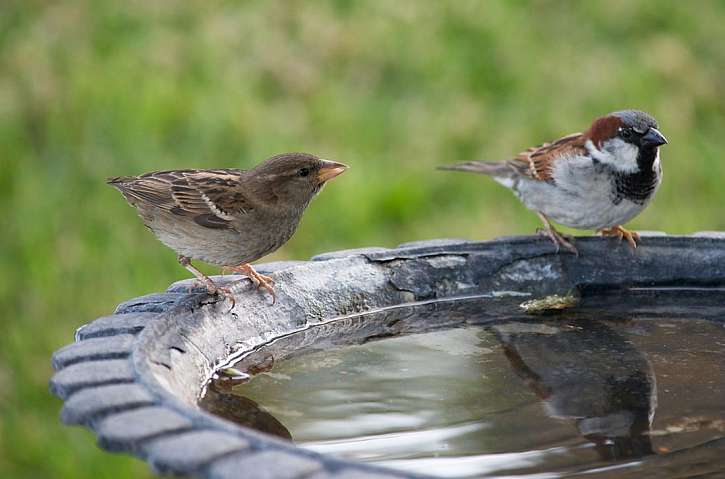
(640, 186)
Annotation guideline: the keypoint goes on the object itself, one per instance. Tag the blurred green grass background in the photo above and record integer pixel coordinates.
(90, 89)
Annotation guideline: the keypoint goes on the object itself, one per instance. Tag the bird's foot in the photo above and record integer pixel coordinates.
(204, 280)
(559, 239)
(201, 278)
(632, 237)
(215, 290)
(227, 293)
(259, 280)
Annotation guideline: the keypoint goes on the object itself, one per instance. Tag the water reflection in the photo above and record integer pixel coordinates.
(585, 372)
(243, 411)
(482, 395)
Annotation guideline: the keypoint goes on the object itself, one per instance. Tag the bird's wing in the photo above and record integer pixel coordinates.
(210, 197)
(538, 162)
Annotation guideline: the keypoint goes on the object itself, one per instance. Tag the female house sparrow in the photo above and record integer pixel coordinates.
(228, 217)
(599, 179)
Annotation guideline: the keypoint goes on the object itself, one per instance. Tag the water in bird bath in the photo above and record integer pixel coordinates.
(630, 384)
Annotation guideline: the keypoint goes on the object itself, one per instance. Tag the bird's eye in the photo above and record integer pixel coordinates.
(303, 172)
(626, 134)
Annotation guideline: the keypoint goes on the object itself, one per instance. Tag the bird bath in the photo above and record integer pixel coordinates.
(591, 387)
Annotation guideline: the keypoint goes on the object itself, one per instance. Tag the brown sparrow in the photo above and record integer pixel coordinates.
(228, 217)
(599, 179)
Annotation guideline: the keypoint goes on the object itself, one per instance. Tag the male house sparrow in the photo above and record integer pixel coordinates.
(228, 217)
(599, 179)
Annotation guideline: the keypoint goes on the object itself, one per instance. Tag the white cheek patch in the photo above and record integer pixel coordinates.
(596, 153)
(618, 154)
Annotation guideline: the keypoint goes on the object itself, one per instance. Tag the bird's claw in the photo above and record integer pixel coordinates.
(227, 293)
(264, 281)
(632, 237)
(259, 280)
(214, 290)
(559, 239)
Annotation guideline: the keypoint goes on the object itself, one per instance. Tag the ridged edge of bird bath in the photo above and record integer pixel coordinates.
(134, 377)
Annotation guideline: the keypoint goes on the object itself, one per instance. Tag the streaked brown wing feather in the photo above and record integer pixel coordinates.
(538, 162)
(146, 190)
(210, 197)
(215, 192)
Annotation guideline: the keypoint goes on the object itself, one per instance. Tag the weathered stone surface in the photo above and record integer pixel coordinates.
(188, 452)
(710, 234)
(353, 473)
(89, 374)
(348, 252)
(276, 266)
(650, 233)
(434, 243)
(264, 465)
(192, 286)
(88, 404)
(129, 323)
(433, 277)
(150, 303)
(109, 347)
(125, 431)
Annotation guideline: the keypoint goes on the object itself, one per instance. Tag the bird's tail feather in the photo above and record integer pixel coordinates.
(491, 168)
(136, 191)
(117, 180)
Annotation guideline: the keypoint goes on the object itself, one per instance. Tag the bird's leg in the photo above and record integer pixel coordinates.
(204, 279)
(557, 238)
(259, 280)
(631, 236)
(211, 288)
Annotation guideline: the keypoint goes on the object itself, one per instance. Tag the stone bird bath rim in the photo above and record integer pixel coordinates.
(134, 377)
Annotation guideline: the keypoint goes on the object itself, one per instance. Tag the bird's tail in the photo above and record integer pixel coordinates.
(131, 189)
(119, 180)
(491, 168)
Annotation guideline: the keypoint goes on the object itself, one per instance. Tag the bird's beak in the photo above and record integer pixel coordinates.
(329, 170)
(653, 138)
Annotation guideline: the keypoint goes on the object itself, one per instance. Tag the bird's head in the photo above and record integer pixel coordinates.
(627, 140)
(294, 178)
